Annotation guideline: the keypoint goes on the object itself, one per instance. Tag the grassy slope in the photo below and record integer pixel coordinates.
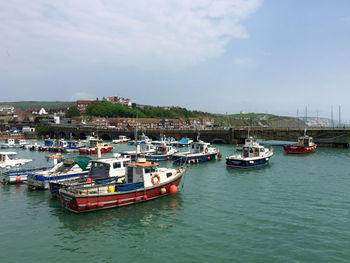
(39, 104)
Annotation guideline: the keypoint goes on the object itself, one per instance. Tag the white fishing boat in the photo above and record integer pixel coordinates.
(9, 160)
(253, 154)
(143, 140)
(102, 171)
(162, 153)
(142, 149)
(199, 152)
(21, 175)
(121, 139)
(8, 143)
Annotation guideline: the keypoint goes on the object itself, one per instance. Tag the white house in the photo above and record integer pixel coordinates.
(42, 111)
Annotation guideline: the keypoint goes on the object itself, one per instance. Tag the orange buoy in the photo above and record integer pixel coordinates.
(137, 199)
(88, 205)
(219, 155)
(144, 197)
(119, 202)
(173, 189)
(208, 157)
(99, 204)
(18, 178)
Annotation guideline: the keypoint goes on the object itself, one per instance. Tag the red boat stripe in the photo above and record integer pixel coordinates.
(111, 202)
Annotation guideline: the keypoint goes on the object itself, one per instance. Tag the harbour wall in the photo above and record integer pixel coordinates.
(324, 137)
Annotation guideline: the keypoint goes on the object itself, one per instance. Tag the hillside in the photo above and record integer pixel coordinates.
(107, 109)
(39, 104)
(258, 120)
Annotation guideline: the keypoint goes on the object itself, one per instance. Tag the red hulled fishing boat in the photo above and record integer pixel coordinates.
(143, 181)
(304, 145)
(95, 146)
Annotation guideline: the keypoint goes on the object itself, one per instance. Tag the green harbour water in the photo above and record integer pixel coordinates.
(296, 209)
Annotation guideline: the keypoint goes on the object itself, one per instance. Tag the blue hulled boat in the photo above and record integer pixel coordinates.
(162, 153)
(253, 154)
(199, 152)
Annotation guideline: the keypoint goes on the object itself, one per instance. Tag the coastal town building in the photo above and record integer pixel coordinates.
(6, 109)
(116, 99)
(82, 105)
(58, 110)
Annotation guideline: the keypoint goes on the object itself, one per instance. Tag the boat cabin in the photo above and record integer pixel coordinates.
(94, 142)
(253, 151)
(164, 149)
(199, 147)
(105, 168)
(305, 141)
(6, 156)
(147, 147)
(136, 172)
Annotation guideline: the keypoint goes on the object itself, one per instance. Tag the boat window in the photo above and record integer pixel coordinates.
(169, 174)
(139, 170)
(117, 165)
(130, 174)
(99, 170)
(65, 167)
(12, 156)
(251, 150)
(148, 170)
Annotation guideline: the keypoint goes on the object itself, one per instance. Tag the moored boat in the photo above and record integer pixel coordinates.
(95, 146)
(141, 150)
(121, 139)
(10, 160)
(252, 155)
(67, 169)
(143, 140)
(21, 175)
(305, 145)
(144, 181)
(199, 152)
(8, 143)
(162, 153)
(101, 171)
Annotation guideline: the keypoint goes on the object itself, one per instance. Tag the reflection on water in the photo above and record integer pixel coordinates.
(139, 215)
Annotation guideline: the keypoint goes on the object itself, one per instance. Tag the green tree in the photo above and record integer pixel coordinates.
(43, 129)
(72, 112)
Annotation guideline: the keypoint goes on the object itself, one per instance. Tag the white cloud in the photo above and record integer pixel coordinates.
(147, 34)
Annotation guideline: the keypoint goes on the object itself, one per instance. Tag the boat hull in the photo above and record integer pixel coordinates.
(195, 158)
(159, 157)
(36, 182)
(239, 163)
(85, 203)
(94, 150)
(295, 149)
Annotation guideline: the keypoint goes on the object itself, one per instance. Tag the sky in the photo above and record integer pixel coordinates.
(272, 56)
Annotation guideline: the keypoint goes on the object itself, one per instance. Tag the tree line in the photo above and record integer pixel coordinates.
(108, 109)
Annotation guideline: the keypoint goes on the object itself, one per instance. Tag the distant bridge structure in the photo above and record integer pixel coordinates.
(324, 137)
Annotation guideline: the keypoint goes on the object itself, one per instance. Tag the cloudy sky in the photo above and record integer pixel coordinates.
(220, 56)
